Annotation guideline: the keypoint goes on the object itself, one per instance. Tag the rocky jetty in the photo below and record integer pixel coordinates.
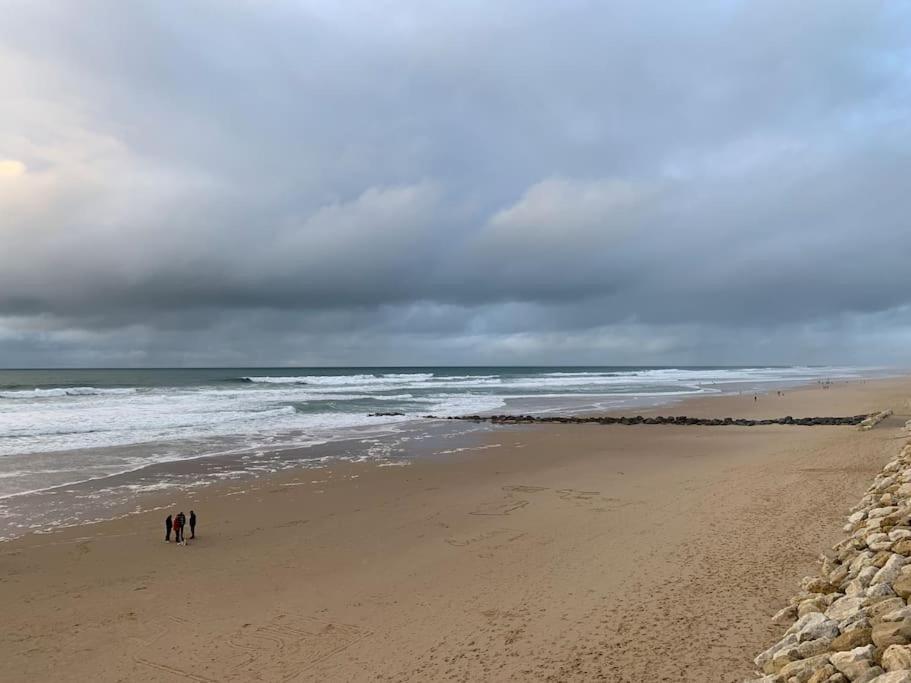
(675, 420)
(874, 420)
(852, 622)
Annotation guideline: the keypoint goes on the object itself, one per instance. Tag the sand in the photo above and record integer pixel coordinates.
(577, 552)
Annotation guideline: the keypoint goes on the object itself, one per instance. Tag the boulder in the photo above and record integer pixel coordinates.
(804, 668)
(902, 586)
(843, 608)
(888, 633)
(785, 616)
(854, 663)
(893, 677)
(890, 570)
(849, 640)
(896, 658)
(822, 674)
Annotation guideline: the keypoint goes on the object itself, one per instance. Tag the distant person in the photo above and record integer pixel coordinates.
(192, 524)
(168, 523)
(178, 527)
(755, 398)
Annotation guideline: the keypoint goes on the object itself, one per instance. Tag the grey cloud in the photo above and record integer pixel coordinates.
(533, 181)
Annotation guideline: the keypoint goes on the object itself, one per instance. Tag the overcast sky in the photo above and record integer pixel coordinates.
(233, 182)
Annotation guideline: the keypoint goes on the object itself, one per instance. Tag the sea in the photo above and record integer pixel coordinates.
(78, 444)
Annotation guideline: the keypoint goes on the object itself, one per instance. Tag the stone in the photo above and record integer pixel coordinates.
(891, 633)
(804, 668)
(844, 608)
(870, 674)
(893, 677)
(854, 663)
(821, 675)
(897, 615)
(811, 605)
(817, 584)
(878, 541)
(764, 659)
(879, 592)
(785, 616)
(902, 547)
(896, 657)
(811, 648)
(849, 640)
(902, 586)
(899, 534)
(883, 607)
(890, 570)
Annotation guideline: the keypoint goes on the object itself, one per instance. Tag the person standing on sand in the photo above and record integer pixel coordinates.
(192, 524)
(167, 529)
(178, 528)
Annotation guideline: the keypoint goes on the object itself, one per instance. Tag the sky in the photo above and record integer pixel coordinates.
(391, 182)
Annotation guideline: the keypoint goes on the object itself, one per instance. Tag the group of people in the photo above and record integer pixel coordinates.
(177, 524)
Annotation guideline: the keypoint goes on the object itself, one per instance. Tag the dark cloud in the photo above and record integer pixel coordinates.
(402, 182)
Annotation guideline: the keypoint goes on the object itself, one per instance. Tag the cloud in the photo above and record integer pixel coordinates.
(540, 182)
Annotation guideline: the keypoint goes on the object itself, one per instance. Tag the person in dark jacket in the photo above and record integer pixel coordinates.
(192, 524)
(168, 523)
(178, 527)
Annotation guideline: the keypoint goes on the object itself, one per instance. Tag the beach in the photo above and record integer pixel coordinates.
(557, 552)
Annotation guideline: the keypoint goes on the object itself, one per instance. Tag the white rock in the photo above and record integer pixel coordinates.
(844, 608)
(853, 663)
(897, 658)
(890, 570)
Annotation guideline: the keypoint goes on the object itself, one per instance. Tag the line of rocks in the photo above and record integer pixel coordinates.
(640, 420)
(853, 621)
(874, 420)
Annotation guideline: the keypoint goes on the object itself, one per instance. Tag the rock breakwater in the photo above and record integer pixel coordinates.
(673, 420)
(852, 622)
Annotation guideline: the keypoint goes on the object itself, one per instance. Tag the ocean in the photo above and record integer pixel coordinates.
(71, 433)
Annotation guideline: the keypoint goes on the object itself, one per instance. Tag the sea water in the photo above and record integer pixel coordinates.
(62, 428)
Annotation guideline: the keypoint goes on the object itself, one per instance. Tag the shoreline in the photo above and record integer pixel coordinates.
(546, 552)
(113, 495)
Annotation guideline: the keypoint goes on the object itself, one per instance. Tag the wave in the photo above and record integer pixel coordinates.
(346, 380)
(57, 392)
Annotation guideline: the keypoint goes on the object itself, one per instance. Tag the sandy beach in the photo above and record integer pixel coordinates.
(577, 552)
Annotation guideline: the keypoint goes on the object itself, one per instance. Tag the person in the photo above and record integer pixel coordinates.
(167, 529)
(192, 524)
(178, 528)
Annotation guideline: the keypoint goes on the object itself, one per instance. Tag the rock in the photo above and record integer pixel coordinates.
(811, 648)
(804, 668)
(902, 586)
(890, 570)
(852, 663)
(878, 541)
(822, 674)
(870, 674)
(815, 625)
(879, 592)
(896, 657)
(811, 605)
(785, 616)
(883, 607)
(888, 633)
(903, 676)
(764, 659)
(899, 534)
(902, 547)
(844, 608)
(897, 615)
(817, 584)
(849, 640)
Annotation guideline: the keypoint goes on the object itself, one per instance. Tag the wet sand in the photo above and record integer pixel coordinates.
(574, 552)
